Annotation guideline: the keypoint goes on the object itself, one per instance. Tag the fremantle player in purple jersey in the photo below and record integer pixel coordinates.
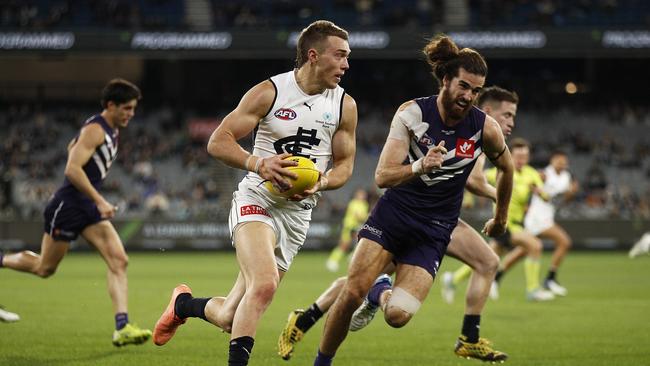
(430, 151)
(466, 245)
(77, 207)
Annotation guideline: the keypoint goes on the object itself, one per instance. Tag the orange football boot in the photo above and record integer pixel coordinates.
(168, 323)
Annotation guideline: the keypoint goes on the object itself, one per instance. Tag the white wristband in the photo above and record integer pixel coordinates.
(417, 167)
(258, 163)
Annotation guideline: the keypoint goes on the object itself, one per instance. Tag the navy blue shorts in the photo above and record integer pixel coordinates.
(410, 240)
(66, 218)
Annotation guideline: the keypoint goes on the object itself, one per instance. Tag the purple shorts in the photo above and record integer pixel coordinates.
(65, 218)
(411, 240)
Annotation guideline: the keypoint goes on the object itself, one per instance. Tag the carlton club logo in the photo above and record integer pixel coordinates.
(285, 114)
(253, 210)
(295, 144)
(464, 148)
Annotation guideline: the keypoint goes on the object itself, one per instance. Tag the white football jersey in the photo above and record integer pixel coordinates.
(299, 124)
(554, 185)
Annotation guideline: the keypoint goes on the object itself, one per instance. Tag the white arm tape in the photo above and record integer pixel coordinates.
(417, 167)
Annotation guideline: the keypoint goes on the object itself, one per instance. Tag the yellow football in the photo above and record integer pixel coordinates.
(307, 176)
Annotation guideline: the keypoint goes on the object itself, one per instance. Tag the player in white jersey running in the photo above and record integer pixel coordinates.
(540, 219)
(303, 112)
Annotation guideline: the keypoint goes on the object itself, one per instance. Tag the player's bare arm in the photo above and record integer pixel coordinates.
(79, 153)
(572, 191)
(223, 144)
(343, 152)
(497, 151)
(539, 190)
(477, 181)
(390, 170)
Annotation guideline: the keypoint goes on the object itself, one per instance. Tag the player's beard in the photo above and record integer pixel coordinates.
(449, 103)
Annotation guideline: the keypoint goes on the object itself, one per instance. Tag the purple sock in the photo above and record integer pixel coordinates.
(121, 319)
(323, 360)
(376, 291)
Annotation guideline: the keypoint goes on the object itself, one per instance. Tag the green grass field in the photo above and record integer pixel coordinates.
(67, 319)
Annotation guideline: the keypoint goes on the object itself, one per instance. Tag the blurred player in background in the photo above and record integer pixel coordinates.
(558, 188)
(540, 218)
(527, 181)
(412, 223)
(355, 214)
(498, 103)
(77, 207)
(303, 112)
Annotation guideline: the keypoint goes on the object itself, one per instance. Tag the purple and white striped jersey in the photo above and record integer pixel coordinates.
(97, 166)
(437, 196)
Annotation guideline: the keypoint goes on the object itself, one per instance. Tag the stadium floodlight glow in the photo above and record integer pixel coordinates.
(571, 87)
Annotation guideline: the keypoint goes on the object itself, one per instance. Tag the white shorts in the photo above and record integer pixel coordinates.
(536, 224)
(290, 225)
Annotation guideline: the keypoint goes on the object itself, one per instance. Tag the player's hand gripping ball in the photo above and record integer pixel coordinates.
(307, 173)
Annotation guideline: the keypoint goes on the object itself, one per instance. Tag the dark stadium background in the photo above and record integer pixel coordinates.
(580, 69)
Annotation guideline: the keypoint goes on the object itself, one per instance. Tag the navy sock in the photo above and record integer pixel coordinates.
(497, 278)
(551, 275)
(471, 325)
(240, 350)
(323, 359)
(1, 256)
(121, 319)
(187, 306)
(309, 318)
(376, 291)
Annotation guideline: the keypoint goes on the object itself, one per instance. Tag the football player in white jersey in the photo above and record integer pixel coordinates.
(540, 218)
(303, 112)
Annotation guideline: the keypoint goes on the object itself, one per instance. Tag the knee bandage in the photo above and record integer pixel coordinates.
(403, 300)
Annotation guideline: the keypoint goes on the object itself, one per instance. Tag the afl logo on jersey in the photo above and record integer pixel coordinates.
(464, 148)
(285, 114)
